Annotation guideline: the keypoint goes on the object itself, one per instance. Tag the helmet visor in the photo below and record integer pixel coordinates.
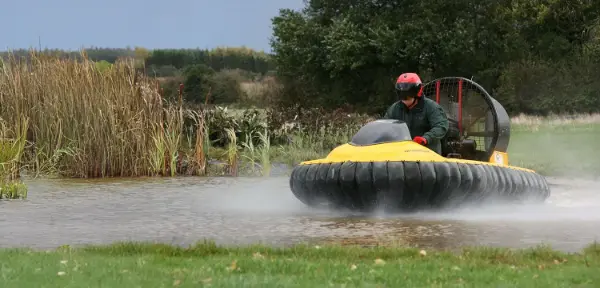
(405, 86)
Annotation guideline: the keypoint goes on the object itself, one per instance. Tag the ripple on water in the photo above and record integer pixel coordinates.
(245, 210)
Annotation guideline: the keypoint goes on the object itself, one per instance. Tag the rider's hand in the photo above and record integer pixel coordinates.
(420, 140)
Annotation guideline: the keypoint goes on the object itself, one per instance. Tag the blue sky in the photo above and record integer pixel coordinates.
(72, 24)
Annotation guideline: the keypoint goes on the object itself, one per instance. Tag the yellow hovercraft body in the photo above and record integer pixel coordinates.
(381, 167)
(402, 151)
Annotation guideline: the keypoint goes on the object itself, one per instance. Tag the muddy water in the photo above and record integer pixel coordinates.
(241, 211)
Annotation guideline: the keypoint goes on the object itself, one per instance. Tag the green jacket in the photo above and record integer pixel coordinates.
(427, 119)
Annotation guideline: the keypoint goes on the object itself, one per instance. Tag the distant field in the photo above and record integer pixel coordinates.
(557, 146)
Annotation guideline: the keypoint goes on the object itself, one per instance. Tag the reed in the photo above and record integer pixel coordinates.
(12, 147)
(265, 152)
(250, 153)
(103, 121)
(202, 142)
(260, 153)
(232, 152)
(87, 120)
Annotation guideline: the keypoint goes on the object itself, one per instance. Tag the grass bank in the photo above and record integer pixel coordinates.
(152, 265)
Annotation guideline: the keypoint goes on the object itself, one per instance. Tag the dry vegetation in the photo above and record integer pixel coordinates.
(87, 122)
(260, 92)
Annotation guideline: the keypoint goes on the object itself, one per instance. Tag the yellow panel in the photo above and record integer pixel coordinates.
(500, 158)
(408, 151)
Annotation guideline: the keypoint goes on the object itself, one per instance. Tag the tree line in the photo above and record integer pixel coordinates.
(169, 62)
(534, 56)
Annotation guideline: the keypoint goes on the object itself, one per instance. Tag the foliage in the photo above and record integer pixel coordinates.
(197, 82)
(564, 86)
(217, 59)
(165, 59)
(349, 52)
(263, 93)
(163, 71)
(223, 87)
(103, 65)
(12, 147)
(226, 88)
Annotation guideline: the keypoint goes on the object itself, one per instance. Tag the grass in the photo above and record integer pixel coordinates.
(205, 264)
(12, 147)
(557, 146)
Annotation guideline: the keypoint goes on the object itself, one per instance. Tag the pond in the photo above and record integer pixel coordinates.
(185, 210)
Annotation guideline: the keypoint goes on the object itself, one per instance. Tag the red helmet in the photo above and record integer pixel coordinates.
(409, 85)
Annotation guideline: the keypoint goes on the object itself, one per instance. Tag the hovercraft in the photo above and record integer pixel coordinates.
(382, 168)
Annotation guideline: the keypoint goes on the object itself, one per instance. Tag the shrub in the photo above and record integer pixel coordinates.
(225, 87)
(197, 82)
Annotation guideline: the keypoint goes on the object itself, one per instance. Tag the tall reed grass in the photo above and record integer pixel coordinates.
(84, 121)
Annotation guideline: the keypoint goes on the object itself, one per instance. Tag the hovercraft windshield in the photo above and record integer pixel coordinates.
(381, 131)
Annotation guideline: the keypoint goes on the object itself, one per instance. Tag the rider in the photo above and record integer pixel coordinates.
(426, 120)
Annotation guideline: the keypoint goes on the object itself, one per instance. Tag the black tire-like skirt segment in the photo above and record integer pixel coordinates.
(408, 186)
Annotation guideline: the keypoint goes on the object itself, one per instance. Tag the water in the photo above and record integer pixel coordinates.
(182, 211)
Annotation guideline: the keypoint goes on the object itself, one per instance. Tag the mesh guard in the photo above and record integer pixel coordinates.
(479, 125)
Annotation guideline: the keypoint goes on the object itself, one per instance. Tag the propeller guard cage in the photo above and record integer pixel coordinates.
(479, 125)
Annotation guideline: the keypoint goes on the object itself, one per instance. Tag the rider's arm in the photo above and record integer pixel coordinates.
(439, 123)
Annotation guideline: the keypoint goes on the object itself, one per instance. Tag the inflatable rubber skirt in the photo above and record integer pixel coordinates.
(381, 168)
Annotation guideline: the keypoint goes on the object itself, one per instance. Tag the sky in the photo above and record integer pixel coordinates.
(73, 24)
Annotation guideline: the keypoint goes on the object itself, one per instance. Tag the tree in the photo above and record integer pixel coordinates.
(337, 52)
(197, 82)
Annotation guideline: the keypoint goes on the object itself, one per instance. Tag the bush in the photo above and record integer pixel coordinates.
(103, 65)
(163, 71)
(225, 87)
(264, 93)
(543, 87)
(197, 82)
(170, 88)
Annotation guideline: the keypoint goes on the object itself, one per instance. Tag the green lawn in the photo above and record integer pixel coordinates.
(557, 150)
(147, 265)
